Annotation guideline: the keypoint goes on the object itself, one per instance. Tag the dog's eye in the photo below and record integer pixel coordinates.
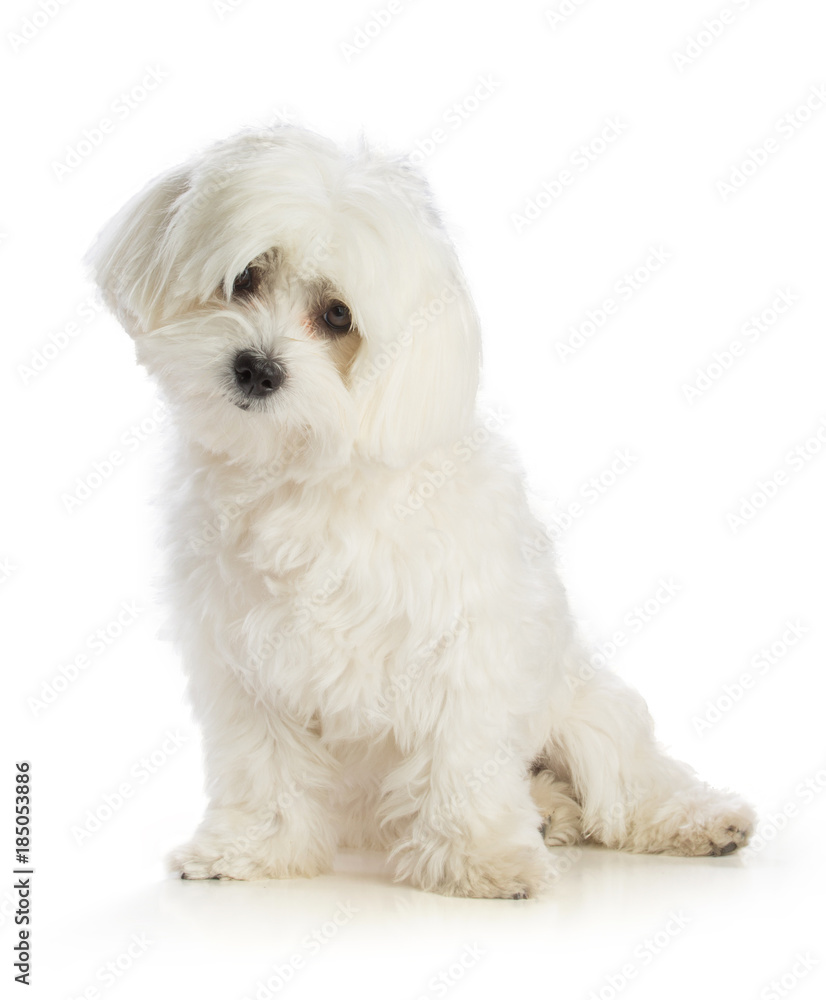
(338, 318)
(243, 282)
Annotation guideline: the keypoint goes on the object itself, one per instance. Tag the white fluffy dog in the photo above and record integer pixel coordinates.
(377, 653)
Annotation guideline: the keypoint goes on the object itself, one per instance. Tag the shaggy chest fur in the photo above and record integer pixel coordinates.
(355, 600)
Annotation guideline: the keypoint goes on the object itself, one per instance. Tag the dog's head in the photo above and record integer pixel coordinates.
(299, 306)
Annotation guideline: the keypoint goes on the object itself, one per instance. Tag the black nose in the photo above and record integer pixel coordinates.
(256, 375)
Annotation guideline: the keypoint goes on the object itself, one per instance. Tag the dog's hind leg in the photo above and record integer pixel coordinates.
(561, 813)
(633, 796)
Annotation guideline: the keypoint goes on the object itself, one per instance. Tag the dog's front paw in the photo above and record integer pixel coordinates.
(518, 875)
(513, 872)
(199, 861)
(236, 845)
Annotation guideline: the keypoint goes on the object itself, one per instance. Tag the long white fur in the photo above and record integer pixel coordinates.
(376, 651)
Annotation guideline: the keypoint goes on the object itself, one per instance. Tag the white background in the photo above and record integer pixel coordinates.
(685, 125)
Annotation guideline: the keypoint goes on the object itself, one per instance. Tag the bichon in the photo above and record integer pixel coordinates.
(378, 652)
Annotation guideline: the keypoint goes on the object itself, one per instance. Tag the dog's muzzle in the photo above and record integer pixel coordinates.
(256, 375)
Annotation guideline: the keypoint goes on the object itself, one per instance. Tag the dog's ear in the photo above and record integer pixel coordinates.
(415, 383)
(127, 260)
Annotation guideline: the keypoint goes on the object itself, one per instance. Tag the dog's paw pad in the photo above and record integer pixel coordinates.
(723, 834)
(561, 813)
(718, 852)
(728, 842)
(560, 830)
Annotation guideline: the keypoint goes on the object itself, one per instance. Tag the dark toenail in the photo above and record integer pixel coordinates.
(520, 895)
(543, 829)
(184, 875)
